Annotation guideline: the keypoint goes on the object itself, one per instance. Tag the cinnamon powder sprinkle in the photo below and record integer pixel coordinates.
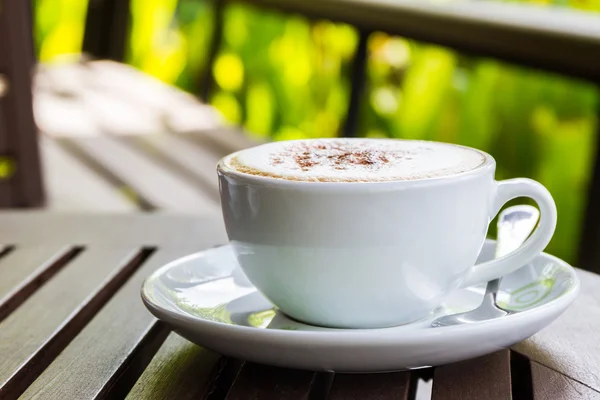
(356, 161)
(304, 156)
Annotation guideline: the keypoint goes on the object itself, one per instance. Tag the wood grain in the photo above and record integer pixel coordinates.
(171, 230)
(31, 336)
(262, 382)
(569, 345)
(72, 185)
(25, 270)
(549, 384)
(22, 264)
(180, 370)
(370, 386)
(95, 363)
(160, 187)
(486, 377)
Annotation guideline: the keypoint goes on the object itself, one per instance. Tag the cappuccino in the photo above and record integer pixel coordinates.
(354, 233)
(355, 160)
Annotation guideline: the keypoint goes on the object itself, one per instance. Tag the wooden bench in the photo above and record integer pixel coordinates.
(115, 139)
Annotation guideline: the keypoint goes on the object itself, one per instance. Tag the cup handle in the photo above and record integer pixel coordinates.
(507, 190)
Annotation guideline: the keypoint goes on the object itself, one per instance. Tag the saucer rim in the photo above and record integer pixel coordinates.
(357, 336)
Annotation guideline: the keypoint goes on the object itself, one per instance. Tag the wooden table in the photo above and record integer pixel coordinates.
(72, 326)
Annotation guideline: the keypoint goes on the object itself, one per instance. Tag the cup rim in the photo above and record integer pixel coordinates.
(488, 164)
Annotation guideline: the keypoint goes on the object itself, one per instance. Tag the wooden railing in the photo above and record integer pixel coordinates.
(563, 40)
(551, 39)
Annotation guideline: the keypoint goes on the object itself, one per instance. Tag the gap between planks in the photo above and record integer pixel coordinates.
(51, 327)
(73, 184)
(109, 368)
(17, 272)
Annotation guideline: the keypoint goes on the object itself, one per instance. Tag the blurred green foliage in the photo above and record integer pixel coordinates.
(58, 28)
(285, 77)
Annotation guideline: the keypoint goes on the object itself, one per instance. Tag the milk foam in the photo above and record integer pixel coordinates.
(360, 160)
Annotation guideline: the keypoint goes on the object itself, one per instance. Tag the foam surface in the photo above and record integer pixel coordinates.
(364, 160)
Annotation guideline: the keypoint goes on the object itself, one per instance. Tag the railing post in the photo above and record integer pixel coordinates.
(357, 80)
(589, 244)
(207, 81)
(21, 182)
(106, 29)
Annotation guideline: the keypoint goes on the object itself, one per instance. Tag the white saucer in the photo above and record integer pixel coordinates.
(206, 298)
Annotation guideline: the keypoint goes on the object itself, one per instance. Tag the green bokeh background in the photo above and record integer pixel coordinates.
(283, 77)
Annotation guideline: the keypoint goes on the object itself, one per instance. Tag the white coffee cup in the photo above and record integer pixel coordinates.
(371, 254)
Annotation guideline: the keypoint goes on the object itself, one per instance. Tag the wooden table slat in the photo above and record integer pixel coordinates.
(486, 377)
(570, 345)
(549, 384)
(22, 265)
(94, 361)
(24, 270)
(179, 370)
(32, 335)
(35, 227)
(72, 185)
(257, 381)
(160, 187)
(384, 386)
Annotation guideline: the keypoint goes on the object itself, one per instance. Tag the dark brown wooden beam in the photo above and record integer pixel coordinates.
(207, 81)
(589, 243)
(20, 169)
(357, 81)
(107, 28)
(561, 40)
